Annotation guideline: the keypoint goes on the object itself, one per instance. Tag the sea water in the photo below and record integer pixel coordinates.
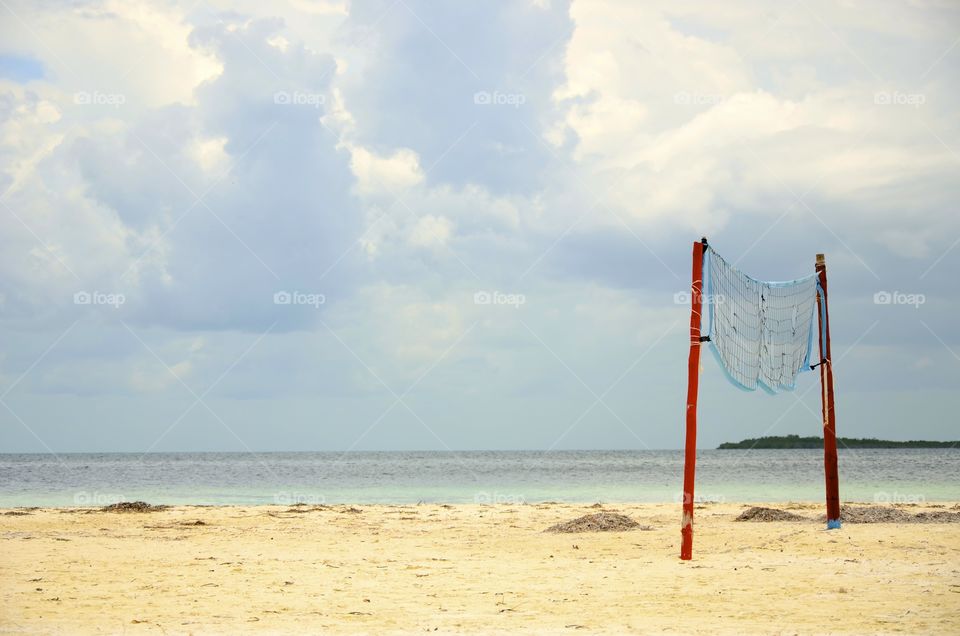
(882, 476)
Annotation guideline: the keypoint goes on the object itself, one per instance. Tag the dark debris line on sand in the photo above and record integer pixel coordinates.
(598, 522)
(937, 516)
(873, 514)
(303, 509)
(133, 506)
(889, 514)
(855, 514)
(759, 513)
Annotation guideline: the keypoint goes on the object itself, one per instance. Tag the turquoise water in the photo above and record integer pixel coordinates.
(889, 475)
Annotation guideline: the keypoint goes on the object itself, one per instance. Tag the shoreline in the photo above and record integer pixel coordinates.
(655, 506)
(472, 568)
(802, 503)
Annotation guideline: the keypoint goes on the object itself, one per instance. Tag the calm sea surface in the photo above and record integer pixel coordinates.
(470, 477)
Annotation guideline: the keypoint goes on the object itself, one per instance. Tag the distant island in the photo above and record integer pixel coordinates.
(795, 441)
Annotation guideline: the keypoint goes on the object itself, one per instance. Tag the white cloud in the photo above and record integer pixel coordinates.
(384, 174)
(675, 123)
(398, 197)
(431, 231)
(210, 155)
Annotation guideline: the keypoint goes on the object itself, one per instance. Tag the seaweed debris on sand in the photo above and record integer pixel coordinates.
(133, 506)
(759, 513)
(890, 514)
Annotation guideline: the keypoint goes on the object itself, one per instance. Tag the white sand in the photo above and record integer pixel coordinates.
(469, 569)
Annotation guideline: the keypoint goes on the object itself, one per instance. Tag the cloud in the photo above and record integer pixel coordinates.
(184, 200)
(466, 89)
(315, 193)
(384, 175)
(676, 123)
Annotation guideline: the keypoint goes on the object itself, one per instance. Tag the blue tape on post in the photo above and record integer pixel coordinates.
(833, 524)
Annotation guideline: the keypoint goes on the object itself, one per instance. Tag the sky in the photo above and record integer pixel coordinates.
(404, 224)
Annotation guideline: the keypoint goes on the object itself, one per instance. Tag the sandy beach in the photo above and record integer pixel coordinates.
(470, 568)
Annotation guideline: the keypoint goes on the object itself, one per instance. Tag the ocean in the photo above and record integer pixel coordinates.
(882, 476)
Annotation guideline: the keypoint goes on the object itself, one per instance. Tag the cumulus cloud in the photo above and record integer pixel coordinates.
(300, 203)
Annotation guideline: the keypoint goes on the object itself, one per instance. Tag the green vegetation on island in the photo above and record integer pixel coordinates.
(795, 441)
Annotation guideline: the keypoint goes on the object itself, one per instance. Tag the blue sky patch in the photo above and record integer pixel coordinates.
(20, 69)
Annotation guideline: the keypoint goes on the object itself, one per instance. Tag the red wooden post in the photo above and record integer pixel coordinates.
(829, 415)
(693, 381)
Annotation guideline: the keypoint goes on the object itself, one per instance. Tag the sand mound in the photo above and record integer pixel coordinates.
(758, 513)
(598, 522)
(873, 514)
(132, 506)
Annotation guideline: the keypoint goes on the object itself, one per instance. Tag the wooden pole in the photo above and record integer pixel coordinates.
(830, 472)
(693, 381)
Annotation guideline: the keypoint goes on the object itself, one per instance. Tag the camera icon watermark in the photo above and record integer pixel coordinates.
(899, 298)
(484, 297)
(299, 98)
(298, 298)
(896, 98)
(96, 98)
(497, 98)
(99, 298)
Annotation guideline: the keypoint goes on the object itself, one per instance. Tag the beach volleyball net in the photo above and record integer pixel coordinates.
(760, 332)
(762, 335)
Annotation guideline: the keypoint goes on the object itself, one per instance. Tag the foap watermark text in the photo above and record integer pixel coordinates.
(898, 298)
(84, 498)
(99, 298)
(96, 98)
(684, 298)
(299, 98)
(498, 498)
(484, 297)
(295, 297)
(497, 98)
(896, 98)
(285, 498)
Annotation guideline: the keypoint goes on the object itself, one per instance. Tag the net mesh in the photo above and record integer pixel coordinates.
(761, 332)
